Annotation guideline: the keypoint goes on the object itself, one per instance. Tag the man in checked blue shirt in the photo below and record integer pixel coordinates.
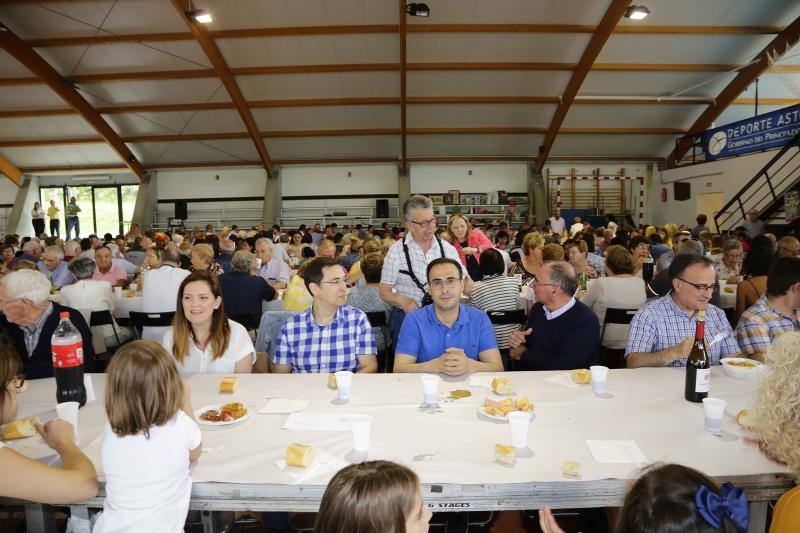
(662, 332)
(329, 336)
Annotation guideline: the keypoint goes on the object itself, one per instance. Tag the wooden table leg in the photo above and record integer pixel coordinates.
(758, 517)
(39, 518)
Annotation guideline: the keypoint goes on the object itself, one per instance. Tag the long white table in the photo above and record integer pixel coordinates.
(452, 450)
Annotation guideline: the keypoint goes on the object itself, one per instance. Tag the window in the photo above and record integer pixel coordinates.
(104, 208)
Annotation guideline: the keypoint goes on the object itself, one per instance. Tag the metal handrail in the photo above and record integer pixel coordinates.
(773, 179)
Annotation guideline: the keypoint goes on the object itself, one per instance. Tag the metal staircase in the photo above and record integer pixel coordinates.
(765, 191)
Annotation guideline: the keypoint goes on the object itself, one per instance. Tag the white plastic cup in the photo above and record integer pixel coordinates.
(257, 263)
(714, 409)
(518, 424)
(134, 287)
(430, 388)
(361, 425)
(118, 292)
(68, 412)
(599, 378)
(344, 379)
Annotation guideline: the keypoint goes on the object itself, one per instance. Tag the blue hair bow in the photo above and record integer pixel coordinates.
(731, 502)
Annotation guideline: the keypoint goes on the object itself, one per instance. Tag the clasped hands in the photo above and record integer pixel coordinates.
(454, 362)
(516, 343)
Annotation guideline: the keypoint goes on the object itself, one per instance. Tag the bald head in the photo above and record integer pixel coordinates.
(788, 246)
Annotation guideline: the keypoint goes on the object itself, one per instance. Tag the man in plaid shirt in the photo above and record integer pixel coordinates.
(777, 312)
(662, 332)
(329, 336)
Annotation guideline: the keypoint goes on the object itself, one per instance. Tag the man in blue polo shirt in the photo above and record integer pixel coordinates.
(447, 337)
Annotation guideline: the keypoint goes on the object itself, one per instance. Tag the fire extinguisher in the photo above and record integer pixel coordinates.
(663, 194)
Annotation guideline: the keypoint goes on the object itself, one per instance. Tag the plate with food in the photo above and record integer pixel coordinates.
(496, 409)
(220, 415)
(740, 367)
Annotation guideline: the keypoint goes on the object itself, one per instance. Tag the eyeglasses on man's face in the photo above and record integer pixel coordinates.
(335, 281)
(700, 287)
(424, 223)
(439, 283)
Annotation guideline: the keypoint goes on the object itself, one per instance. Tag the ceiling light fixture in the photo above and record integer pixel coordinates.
(418, 9)
(199, 15)
(636, 12)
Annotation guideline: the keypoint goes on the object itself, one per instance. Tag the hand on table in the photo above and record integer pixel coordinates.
(57, 434)
(454, 362)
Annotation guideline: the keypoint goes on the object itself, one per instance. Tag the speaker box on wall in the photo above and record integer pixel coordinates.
(682, 190)
(181, 210)
(381, 208)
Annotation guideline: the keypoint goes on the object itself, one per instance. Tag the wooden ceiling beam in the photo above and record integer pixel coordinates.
(367, 101)
(10, 170)
(767, 101)
(610, 19)
(245, 33)
(27, 56)
(339, 161)
(361, 132)
(781, 44)
(187, 74)
(214, 55)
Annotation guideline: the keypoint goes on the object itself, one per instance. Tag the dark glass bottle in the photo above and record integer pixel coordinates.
(698, 366)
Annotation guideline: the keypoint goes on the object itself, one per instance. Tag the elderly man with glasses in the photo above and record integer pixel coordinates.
(29, 319)
(404, 281)
(562, 333)
(662, 332)
(330, 335)
(447, 337)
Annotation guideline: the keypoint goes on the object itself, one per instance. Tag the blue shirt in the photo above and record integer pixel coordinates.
(61, 275)
(423, 336)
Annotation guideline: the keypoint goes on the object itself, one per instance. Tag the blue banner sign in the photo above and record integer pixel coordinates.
(762, 132)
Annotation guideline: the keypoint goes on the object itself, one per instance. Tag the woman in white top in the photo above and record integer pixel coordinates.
(27, 479)
(202, 339)
(620, 289)
(37, 217)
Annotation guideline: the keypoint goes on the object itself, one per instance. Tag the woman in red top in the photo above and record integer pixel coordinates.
(469, 243)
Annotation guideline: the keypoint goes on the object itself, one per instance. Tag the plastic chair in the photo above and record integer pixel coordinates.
(377, 319)
(615, 358)
(247, 320)
(142, 320)
(517, 316)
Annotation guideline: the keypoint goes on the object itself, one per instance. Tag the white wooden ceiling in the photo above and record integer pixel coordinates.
(318, 131)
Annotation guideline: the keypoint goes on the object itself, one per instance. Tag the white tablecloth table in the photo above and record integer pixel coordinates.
(122, 306)
(452, 450)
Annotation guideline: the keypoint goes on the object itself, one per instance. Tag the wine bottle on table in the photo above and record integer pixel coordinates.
(698, 365)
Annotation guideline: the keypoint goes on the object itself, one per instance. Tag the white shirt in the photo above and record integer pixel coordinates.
(147, 480)
(199, 361)
(550, 315)
(558, 225)
(575, 228)
(275, 270)
(89, 295)
(619, 293)
(395, 261)
(160, 294)
(37, 212)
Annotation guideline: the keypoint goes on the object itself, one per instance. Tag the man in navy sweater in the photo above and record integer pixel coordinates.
(561, 333)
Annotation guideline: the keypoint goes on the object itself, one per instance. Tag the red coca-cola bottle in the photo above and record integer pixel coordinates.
(67, 347)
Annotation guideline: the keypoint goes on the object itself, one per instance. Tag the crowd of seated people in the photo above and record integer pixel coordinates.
(435, 286)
